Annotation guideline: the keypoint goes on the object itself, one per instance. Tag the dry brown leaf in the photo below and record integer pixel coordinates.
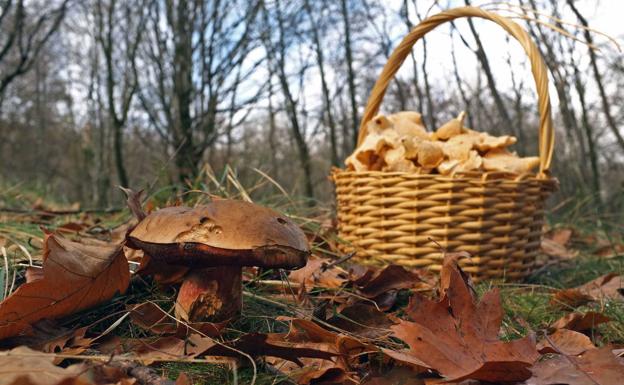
(565, 341)
(554, 249)
(458, 336)
(314, 274)
(363, 320)
(148, 351)
(567, 298)
(26, 366)
(580, 322)
(374, 283)
(606, 287)
(396, 376)
(561, 236)
(340, 367)
(596, 366)
(75, 277)
(150, 317)
(272, 345)
(555, 243)
(134, 202)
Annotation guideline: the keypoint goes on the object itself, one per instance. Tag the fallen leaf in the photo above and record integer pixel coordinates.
(606, 287)
(567, 298)
(363, 320)
(580, 322)
(26, 366)
(134, 202)
(458, 336)
(338, 369)
(75, 277)
(315, 274)
(148, 351)
(183, 379)
(393, 277)
(33, 274)
(554, 249)
(565, 341)
(561, 235)
(150, 317)
(597, 366)
(396, 376)
(273, 345)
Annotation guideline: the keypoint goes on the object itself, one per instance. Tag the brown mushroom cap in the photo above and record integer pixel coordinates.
(223, 232)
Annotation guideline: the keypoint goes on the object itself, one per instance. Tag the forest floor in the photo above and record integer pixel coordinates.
(532, 306)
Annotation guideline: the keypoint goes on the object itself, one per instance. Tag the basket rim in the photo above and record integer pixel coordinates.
(484, 176)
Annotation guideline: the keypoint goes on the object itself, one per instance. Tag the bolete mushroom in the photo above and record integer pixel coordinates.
(215, 241)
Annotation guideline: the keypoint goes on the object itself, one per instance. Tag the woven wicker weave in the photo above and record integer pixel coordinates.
(409, 219)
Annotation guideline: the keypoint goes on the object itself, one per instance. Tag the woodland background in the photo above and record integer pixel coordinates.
(156, 93)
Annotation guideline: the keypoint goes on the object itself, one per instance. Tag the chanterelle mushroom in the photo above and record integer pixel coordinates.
(216, 241)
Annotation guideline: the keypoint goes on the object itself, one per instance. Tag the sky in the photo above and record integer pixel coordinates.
(604, 16)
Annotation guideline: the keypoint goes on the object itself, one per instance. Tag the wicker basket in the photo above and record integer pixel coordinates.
(410, 219)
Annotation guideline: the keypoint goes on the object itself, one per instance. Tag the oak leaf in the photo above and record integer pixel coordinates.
(458, 336)
(75, 277)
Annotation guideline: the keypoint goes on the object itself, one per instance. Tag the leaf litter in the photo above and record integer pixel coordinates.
(373, 325)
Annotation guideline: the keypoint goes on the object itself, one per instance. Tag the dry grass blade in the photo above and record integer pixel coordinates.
(522, 15)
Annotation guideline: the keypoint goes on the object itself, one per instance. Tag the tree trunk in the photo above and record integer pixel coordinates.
(355, 120)
(186, 158)
(326, 96)
(606, 107)
(118, 150)
(485, 64)
(430, 109)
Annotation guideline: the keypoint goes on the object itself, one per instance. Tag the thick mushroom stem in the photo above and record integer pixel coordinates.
(210, 295)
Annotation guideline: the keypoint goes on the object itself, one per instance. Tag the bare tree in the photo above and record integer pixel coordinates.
(277, 55)
(191, 60)
(355, 120)
(119, 31)
(320, 61)
(485, 65)
(24, 30)
(606, 105)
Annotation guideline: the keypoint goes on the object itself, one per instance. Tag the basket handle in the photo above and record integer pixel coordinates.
(538, 68)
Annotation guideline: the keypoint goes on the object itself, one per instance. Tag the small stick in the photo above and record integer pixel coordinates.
(106, 358)
(338, 261)
(143, 374)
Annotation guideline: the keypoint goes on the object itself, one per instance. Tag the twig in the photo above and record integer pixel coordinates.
(339, 261)
(143, 374)
(106, 358)
(112, 210)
